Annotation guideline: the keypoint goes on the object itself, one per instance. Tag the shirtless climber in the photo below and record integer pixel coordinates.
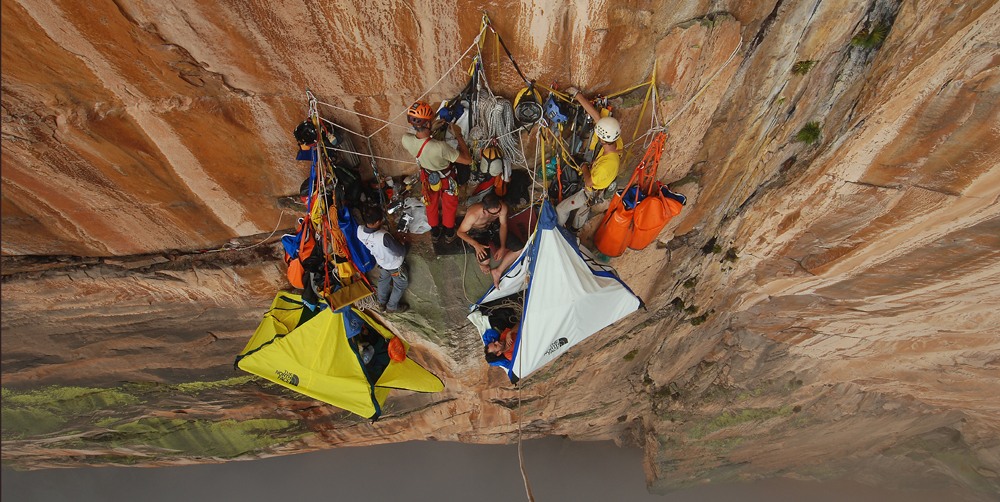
(486, 223)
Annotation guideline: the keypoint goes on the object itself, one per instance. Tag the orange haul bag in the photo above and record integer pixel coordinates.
(615, 232)
(651, 215)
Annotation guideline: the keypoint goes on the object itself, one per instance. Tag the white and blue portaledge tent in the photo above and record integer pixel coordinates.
(568, 296)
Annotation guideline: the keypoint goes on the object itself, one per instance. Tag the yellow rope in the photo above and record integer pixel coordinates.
(638, 120)
(559, 94)
(626, 91)
(562, 146)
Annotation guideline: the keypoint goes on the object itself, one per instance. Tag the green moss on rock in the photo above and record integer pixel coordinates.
(193, 387)
(226, 439)
(733, 418)
(41, 412)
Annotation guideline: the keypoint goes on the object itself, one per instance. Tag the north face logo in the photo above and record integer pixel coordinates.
(554, 346)
(288, 377)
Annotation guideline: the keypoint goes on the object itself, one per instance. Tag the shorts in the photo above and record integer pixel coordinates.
(487, 236)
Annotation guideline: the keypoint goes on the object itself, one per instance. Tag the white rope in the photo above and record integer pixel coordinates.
(497, 114)
(683, 108)
(482, 80)
(655, 128)
(502, 126)
(520, 453)
(520, 370)
(484, 102)
(497, 118)
(366, 303)
(312, 103)
(475, 43)
(342, 127)
(372, 156)
(360, 115)
(227, 247)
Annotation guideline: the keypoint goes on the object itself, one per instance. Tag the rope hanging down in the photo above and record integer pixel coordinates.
(475, 44)
(313, 104)
(488, 24)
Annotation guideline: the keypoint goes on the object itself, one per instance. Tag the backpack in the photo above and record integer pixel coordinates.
(567, 182)
(301, 252)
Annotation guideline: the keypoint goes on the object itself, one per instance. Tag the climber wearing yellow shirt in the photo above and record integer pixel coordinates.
(598, 175)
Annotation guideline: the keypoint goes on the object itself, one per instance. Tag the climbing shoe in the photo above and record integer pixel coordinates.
(402, 307)
(449, 235)
(436, 232)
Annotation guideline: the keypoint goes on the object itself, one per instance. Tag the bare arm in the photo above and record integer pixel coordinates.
(463, 230)
(588, 180)
(587, 105)
(503, 229)
(464, 157)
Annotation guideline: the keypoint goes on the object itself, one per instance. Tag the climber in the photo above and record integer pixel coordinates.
(389, 255)
(484, 224)
(597, 175)
(499, 348)
(438, 168)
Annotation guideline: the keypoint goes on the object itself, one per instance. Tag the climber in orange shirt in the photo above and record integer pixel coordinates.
(499, 348)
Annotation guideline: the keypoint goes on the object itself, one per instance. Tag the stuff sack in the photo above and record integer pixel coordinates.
(614, 234)
(299, 247)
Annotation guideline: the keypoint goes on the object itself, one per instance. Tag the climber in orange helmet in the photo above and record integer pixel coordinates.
(438, 170)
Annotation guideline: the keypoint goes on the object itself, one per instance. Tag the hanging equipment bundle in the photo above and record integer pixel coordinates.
(320, 258)
(639, 211)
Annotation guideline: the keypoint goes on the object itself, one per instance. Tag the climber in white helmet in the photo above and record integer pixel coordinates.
(597, 175)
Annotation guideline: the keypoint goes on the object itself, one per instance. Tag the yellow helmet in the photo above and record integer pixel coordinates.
(491, 161)
(527, 106)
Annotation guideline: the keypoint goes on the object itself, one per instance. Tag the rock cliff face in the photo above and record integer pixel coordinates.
(825, 305)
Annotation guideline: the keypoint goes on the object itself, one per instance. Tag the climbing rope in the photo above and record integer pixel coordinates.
(228, 247)
(500, 121)
(393, 124)
(520, 452)
(475, 44)
(697, 94)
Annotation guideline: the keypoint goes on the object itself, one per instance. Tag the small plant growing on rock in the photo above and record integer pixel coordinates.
(711, 246)
(809, 133)
(731, 255)
(870, 39)
(803, 67)
(691, 282)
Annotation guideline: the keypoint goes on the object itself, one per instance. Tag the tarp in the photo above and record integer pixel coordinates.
(362, 257)
(568, 296)
(311, 353)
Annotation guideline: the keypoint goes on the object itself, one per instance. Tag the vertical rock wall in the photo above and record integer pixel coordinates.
(836, 299)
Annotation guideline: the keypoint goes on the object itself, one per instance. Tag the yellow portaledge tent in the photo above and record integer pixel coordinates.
(324, 355)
